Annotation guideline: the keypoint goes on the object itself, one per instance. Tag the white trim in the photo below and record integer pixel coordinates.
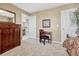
(54, 41)
(57, 42)
(37, 38)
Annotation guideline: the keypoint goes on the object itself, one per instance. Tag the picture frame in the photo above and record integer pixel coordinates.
(46, 23)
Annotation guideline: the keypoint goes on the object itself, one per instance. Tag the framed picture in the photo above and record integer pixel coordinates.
(46, 23)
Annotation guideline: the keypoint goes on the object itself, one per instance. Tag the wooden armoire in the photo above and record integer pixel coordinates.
(10, 36)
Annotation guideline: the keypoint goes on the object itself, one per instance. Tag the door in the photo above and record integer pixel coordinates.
(67, 26)
(25, 26)
(32, 27)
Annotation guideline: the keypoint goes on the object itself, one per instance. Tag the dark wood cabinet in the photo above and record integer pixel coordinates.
(10, 36)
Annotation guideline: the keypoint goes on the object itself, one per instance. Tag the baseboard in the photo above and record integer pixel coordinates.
(54, 41)
(57, 42)
(37, 38)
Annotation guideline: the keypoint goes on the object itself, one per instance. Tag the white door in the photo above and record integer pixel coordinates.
(67, 27)
(32, 27)
(25, 26)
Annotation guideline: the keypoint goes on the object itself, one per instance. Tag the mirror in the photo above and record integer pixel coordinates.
(7, 16)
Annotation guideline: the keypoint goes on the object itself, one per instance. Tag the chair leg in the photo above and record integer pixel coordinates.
(44, 42)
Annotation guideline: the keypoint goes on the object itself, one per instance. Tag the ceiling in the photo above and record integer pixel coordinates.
(35, 7)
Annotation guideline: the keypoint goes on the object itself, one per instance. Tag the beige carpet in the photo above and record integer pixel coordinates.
(32, 47)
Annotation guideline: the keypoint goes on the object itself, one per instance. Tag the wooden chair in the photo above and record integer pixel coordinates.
(44, 36)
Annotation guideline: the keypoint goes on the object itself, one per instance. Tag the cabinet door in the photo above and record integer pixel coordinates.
(11, 38)
(16, 37)
(5, 40)
(0, 41)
